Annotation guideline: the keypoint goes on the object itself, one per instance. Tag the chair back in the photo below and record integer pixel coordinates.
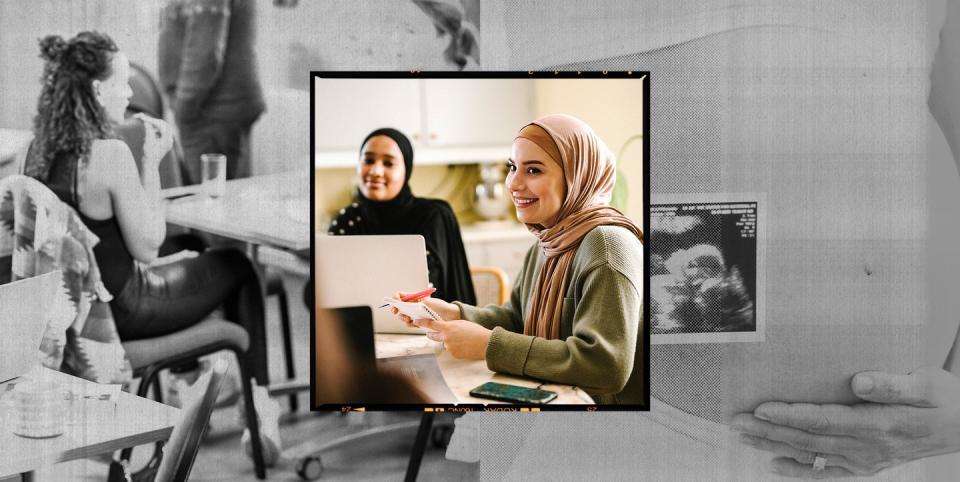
(490, 284)
(148, 100)
(181, 449)
(146, 96)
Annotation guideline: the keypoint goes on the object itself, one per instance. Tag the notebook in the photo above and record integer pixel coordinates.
(362, 270)
(23, 305)
(415, 310)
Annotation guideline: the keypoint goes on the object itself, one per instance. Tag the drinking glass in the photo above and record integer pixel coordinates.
(213, 174)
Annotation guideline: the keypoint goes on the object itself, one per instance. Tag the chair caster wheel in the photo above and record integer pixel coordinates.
(440, 436)
(310, 468)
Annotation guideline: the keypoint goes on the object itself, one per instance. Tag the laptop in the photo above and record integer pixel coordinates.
(23, 306)
(362, 270)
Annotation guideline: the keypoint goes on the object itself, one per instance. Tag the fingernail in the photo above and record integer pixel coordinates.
(863, 384)
(762, 414)
(748, 440)
(737, 427)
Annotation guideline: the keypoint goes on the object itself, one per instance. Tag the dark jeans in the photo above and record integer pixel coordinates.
(224, 137)
(164, 299)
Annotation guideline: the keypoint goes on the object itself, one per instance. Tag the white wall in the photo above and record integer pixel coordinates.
(614, 109)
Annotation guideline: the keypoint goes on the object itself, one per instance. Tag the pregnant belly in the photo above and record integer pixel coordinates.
(858, 254)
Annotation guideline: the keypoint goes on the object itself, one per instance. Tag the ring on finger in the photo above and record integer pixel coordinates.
(819, 462)
(803, 457)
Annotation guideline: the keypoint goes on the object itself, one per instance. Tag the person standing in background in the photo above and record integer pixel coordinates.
(208, 71)
(457, 19)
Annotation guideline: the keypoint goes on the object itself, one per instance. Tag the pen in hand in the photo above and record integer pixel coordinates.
(418, 296)
(413, 297)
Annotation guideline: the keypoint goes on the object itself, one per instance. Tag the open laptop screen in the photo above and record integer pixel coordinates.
(362, 270)
(23, 305)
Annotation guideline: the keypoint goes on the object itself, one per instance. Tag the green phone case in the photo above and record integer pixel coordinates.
(512, 393)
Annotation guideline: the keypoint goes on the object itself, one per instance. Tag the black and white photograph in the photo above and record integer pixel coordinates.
(155, 173)
(704, 262)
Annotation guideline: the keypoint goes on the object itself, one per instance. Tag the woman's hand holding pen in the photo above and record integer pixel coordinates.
(447, 311)
(464, 339)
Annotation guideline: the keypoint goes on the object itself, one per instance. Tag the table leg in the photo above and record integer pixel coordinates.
(268, 288)
(419, 447)
(254, 254)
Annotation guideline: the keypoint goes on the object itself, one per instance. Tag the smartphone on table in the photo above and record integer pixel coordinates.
(512, 393)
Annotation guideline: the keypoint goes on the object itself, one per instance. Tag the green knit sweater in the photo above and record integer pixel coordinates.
(600, 347)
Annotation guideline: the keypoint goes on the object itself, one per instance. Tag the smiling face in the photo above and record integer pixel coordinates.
(381, 169)
(114, 92)
(536, 183)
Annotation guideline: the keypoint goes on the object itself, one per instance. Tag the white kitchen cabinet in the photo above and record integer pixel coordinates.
(503, 247)
(346, 110)
(462, 112)
(449, 121)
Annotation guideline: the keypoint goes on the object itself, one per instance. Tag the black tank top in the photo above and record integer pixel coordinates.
(116, 263)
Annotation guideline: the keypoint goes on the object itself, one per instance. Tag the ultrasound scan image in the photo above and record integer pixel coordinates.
(703, 267)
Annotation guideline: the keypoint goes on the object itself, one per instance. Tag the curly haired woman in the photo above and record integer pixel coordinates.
(76, 154)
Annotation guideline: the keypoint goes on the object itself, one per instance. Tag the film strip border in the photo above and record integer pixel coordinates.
(466, 408)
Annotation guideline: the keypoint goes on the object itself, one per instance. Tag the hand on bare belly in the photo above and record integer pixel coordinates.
(900, 418)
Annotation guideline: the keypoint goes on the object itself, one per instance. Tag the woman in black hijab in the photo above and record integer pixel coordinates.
(384, 204)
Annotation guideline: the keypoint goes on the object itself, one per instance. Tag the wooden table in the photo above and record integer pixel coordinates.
(271, 210)
(464, 375)
(92, 427)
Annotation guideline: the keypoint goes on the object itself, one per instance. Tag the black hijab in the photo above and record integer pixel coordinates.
(407, 214)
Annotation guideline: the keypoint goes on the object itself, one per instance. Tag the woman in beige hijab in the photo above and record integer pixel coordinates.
(574, 315)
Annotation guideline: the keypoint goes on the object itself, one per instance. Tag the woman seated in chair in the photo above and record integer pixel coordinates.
(574, 315)
(75, 153)
(384, 204)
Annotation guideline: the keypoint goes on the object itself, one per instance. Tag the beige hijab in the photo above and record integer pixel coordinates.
(589, 170)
